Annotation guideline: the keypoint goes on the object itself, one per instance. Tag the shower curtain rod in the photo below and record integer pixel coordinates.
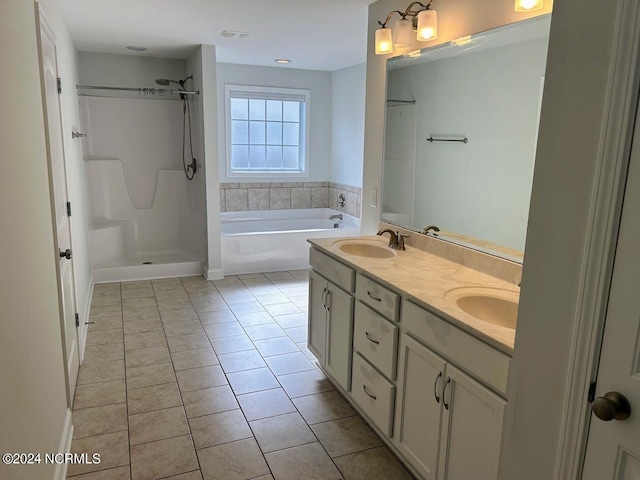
(142, 90)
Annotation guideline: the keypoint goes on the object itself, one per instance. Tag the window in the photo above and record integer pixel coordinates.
(267, 131)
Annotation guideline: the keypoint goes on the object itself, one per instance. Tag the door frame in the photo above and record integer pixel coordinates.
(602, 234)
(43, 24)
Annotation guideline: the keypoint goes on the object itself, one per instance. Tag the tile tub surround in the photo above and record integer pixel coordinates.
(240, 197)
(213, 380)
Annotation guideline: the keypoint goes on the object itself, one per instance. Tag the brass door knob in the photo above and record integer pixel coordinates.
(613, 406)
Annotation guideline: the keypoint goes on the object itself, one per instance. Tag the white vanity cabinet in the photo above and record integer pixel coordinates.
(330, 333)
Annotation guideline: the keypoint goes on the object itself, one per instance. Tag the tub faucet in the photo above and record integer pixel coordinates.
(430, 229)
(338, 216)
(396, 239)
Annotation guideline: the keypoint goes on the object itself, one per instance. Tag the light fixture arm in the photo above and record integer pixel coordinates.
(407, 13)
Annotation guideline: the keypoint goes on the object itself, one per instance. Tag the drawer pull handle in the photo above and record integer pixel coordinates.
(446, 405)
(373, 297)
(364, 387)
(371, 339)
(435, 387)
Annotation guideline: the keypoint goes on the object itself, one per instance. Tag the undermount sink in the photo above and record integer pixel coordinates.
(492, 305)
(362, 249)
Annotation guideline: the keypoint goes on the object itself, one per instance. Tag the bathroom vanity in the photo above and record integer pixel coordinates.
(420, 346)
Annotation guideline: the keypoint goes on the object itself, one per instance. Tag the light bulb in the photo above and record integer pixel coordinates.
(528, 5)
(384, 41)
(427, 25)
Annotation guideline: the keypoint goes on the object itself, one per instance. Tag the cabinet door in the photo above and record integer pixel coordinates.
(339, 335)
(317, 332)
(419, 405)
(472, 429)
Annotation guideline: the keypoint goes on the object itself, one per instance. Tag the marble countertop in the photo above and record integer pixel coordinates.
(425, 278)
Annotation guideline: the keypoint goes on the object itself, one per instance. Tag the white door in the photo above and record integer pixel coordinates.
(58, 181)
(613, 447)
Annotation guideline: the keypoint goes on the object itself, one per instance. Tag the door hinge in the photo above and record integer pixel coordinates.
(77, 320)
(592, 392)
(68, 209)
(59, 85)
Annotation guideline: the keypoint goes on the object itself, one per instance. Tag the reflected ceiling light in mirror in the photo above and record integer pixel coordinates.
(527, 5)
(422, 20)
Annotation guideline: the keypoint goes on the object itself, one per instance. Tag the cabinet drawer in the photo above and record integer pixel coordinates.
(479, 359)
(376, 339)
(378, 297)
(373, 393)
(339, 274)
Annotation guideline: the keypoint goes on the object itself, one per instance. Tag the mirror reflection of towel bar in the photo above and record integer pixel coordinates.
(460, 140)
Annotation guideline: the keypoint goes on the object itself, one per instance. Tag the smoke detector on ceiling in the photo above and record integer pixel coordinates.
(234, 34)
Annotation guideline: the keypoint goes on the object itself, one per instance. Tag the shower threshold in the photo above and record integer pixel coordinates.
(145, 267)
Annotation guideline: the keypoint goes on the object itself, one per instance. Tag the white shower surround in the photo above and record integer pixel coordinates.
(276, 240)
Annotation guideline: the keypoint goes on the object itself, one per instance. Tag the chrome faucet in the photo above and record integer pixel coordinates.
(396, 239)
(430, 229)
(338, 216)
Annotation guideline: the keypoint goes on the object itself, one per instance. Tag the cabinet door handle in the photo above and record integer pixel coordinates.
(364, 387)
(324, 298)
(435, 387)
(446, 405)
(371, 339)
(373, 297)
(328, 301)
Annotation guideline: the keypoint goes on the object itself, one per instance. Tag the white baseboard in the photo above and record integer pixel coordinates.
(65, 446)
(84, 317)
(214, 274)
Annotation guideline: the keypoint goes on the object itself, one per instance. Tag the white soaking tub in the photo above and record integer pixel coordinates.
(276, 240)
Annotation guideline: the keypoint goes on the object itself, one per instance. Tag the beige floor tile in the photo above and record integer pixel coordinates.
(106, 300)
(157, 425)
(174, 329)
(344, 436)
(300, 301)
(105, 323)
(234, 296)
(212, 305)
(194, 358)
(282, 309)
(163, 458)
(221, 316)
(118, 473)
(237, 343)
(255, 318)
(323, 407)
(149, 375)
(226, 329)
(309, 462)
(142, 326)
(304, 383)
(246, 360)
(201, 377)
(113, 449)
(133, 284)
(249, 381)
(375, 464)
(275, 346)
(99, 420)
(275, 276)
(144, 340)
(264, 477)
(289, 363)
(205, 295)
(157, 397)
(250, 306)
(269, 330)
(257, 289)
(104, 353)
(140, 302)
(106, 288)
(165, 295)
(170, 305)
(307, 353)
(208, 401)
(271, 298)
(188, 342)
(106, 311)
(297, 334)
(166, 284)
(291, 320)
(241, 460)
(227, 281)
(147, 356)
(100, 372)
(147, 313)
(283, 431)
(180, 315)
(98, 394)
(187, 476)
(137, 292)
(223, 427)
(267, 403)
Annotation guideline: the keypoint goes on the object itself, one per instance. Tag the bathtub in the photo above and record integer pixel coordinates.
(276, 240)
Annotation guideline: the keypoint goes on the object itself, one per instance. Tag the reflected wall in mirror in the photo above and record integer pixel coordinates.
(486, 88)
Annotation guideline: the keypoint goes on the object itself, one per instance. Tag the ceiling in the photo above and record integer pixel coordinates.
(313, 34)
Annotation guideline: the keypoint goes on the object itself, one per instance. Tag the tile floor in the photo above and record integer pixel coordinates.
(189, 379)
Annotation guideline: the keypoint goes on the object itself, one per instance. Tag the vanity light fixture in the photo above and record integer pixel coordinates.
(422, 20)
(283, 61)
(527, 5)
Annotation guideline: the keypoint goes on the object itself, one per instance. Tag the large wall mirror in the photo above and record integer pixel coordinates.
(460, 136)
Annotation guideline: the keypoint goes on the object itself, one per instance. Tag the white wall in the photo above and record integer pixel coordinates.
(319, 83)
(33, 394)
(481, 188)
(347, 124)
